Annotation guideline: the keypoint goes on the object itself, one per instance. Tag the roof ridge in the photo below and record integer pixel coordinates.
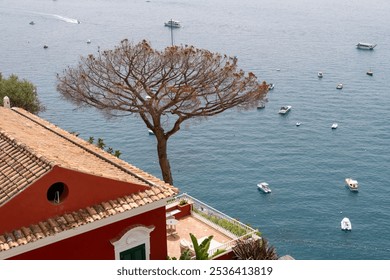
(100, 156)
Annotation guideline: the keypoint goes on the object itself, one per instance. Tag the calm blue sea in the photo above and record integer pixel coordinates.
(220, 160)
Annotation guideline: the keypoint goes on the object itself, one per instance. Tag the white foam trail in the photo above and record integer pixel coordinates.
(66, 19)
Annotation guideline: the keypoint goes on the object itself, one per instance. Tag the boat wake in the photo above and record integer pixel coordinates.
(59, 17)
(66, 19)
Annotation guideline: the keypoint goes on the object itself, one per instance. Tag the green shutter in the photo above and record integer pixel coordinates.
(136, 253)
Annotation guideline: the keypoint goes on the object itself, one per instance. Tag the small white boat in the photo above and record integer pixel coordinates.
(173, 23)
(370, 73)
(150, 132)
(88, 41)
(264, 187)
(334, 125)
(298, 124)
(339, 86)
(320, 74)
(284, 109)
(346, 224)
(271, 86)
(365, 46)
(352, 184)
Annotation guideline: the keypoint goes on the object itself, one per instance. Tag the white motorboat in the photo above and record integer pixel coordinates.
(173, 23)
(271, 86)
(346, 224)
(298, 124)
(150, 132)
(334, 125)
(365, 46)
(320, 74)
(352, 184)
(370, 73)
(264, 187)
(284, 109)
(339, 86)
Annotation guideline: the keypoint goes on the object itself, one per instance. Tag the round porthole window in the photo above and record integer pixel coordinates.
(57, 192)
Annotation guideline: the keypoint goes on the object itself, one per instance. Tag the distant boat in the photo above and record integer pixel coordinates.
(298, 124)
(264, 187)
(88, 41)
(150, 132)
(45, 46)
(365, 46)
(369, 73)
(173, 23)
(320, 74)
(32, 23)
(271, 86)
(346, 224)
(352, 184)
(339, 86)
(284, 109)
(334, 125)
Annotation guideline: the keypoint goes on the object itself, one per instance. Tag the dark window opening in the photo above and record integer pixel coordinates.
(57, 192)
(136, 253)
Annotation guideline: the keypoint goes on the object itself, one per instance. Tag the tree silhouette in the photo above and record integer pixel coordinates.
(164, 88)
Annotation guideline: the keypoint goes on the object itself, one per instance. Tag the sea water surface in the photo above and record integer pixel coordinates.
(220, 160)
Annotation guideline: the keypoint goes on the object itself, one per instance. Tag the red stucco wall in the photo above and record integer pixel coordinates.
(31, 205)
(96, 245)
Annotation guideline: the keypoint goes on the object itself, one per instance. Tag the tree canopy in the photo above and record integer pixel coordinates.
(164, 88)
(22, 94)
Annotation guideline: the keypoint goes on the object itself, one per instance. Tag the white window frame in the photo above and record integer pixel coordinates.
(132, 238)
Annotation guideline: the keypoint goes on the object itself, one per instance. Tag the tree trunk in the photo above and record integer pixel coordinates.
(163, 159)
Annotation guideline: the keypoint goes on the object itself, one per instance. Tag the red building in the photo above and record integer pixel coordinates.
(64, 198)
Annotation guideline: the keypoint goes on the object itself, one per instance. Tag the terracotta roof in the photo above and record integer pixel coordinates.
(36, 145)
(31, 146)
(18, 167)
(76, 219)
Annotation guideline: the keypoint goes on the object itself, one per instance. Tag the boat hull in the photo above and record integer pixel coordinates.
(263, 188)
(284, 110)
(365, 46)
(346, 224)
(352, 184)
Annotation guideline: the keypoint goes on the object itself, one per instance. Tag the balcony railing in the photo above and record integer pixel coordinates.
(217, 220)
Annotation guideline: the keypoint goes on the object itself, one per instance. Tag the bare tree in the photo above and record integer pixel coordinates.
(165, 88)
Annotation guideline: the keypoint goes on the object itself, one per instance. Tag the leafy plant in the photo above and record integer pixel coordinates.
(224, 223)
(186, 255)
(183, 202)
(22, 94)
(201, 250)
(100, 144)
